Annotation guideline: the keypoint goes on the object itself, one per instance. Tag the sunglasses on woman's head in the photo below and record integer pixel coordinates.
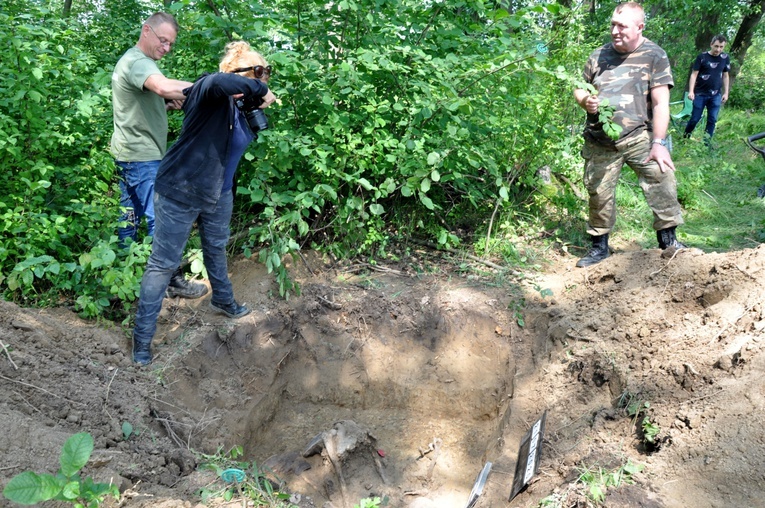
(258, 70)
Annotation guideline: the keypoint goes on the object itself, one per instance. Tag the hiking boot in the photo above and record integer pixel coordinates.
(232, 310)
(141, 352)
(183, 288)
(667, 239)
(598, 252)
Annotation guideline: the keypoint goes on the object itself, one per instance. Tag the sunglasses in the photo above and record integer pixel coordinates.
(258, 70)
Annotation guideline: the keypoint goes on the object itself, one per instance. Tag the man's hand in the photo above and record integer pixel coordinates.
(591, 104)
(725, 97)
(660, 154)
(588, 101)
(691, 96)
(173, 104)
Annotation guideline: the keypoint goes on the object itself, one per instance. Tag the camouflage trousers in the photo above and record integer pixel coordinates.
(602, 169)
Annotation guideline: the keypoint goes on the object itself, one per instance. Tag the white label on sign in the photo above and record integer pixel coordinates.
(532, 457)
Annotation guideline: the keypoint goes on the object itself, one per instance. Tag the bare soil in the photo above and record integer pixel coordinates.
(404, 380)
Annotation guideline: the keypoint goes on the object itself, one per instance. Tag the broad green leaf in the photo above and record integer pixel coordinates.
(26, 488)
(427, 202)
(365, 183)
(75, 453)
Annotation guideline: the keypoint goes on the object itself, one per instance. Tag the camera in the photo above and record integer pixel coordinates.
(256, 117)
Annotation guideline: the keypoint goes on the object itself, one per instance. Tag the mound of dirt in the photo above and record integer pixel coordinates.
(384, 381)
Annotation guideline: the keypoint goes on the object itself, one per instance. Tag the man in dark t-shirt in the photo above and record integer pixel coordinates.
(709, 85)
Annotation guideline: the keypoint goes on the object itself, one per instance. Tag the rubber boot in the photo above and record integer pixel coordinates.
(667, 238)
(141, 351)
(183, 288)
(598, 251)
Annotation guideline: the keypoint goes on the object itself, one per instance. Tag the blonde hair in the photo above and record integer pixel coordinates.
(239, 54)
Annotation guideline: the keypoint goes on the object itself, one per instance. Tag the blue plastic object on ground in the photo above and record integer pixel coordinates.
(233, 475)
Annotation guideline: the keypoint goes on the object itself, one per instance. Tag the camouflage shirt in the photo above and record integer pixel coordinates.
(626, 80)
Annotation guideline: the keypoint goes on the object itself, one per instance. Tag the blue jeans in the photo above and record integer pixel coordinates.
(173, 227)
(136, 197)
(713, 104)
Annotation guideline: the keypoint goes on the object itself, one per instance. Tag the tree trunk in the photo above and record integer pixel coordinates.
(743, 38)
(67, 8)
(708, 28)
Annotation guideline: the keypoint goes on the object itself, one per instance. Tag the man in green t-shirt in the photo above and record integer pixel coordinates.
(141, 96)
(634, 75)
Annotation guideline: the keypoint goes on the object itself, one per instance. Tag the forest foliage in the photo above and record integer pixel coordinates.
(398, 119)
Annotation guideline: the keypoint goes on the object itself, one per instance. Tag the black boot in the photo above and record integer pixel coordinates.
(179, 286)
(598, 251)
(141, 352)
(667, 238)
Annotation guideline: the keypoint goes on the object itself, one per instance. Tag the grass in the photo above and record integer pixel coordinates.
(717, 189)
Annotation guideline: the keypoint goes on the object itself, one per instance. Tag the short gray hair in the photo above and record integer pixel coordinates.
(159, 18)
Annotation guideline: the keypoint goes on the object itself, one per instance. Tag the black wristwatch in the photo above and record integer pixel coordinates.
(661, 141)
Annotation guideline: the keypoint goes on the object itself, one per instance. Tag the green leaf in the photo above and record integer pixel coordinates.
(127, 430)
(376, 209)
(365, 183)
(433, 158)
(26, 488)
(71, 491)
(75, 453)
(427, 202)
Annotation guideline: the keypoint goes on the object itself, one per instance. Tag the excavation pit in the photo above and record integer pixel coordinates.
(419, 392)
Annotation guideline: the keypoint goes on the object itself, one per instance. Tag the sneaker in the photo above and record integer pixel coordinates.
(185, 289)
(232, 310)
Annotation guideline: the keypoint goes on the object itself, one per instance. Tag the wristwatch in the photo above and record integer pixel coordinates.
(661, 141)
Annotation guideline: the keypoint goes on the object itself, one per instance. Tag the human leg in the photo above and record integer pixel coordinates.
(699, 102)
(128, 224)
(601, 174)
(214, 232)
(136, 197)
(173, 226)
(660, 191)
(602, 167)
(713, 110)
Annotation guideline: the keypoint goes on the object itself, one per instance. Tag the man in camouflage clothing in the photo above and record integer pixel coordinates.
(634, 75)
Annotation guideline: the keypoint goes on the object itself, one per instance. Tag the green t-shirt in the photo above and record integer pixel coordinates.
(140, 118)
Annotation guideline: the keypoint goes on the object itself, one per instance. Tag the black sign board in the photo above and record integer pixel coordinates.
(529, 455)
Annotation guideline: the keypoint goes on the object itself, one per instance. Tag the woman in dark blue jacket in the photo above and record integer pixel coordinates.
(195, 183)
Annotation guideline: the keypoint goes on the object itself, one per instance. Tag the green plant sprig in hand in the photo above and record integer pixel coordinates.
(605, 115)
(30, 488)
(605, 112)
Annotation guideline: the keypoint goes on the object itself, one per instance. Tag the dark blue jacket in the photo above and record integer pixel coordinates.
(192, 170)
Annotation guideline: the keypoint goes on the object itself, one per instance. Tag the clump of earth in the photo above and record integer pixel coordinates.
(403, 381)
